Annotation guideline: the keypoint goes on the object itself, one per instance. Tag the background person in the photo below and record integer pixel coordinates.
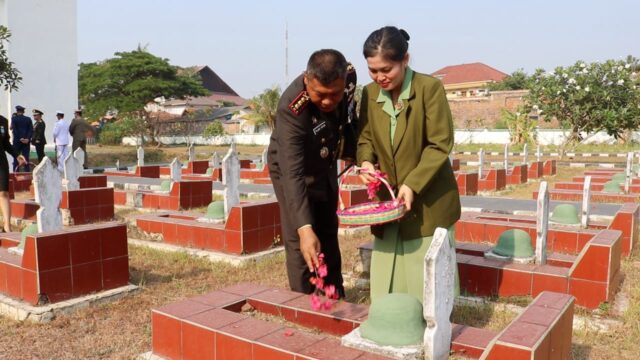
(5, 143)
(22, 130)
(38, 138)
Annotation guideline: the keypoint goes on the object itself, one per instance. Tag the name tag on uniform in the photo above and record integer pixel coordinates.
(319, 127)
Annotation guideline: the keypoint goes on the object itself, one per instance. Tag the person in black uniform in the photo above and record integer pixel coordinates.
(308, 137)
(22, 129)
(4, 172)
(38, 139)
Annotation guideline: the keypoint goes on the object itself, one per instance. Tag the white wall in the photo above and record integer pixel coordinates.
(44, 48)
(545, 137)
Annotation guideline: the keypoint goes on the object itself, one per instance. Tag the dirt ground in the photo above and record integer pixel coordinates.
(122, 329)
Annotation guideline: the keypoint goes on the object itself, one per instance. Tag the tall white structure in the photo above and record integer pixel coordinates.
(44, 48)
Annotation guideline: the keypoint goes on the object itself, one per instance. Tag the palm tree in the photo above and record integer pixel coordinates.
(264, 107)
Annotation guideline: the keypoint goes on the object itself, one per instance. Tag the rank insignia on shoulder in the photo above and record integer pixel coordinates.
(299, 103)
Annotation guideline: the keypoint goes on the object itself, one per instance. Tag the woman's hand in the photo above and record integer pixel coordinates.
(367, 178)
(405, 195)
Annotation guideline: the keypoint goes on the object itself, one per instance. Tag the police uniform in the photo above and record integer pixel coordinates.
(303, 149)
(22, 128)
(6, 146)
(38, 139)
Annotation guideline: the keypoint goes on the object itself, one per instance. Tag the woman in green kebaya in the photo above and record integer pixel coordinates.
(406, 131)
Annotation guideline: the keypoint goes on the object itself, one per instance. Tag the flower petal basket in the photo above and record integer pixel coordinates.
(371, 213)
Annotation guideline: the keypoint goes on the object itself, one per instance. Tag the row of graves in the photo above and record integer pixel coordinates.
(549, 256)
(497, 177)
(560, 259)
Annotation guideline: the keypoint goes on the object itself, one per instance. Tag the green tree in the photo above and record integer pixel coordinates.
(518, 80)
(9, 75)
(265, 107)
(521, 127)
(587, 98)
(214, 129)
(129, 81)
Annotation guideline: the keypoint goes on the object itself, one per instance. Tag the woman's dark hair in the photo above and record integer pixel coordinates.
(392, 43)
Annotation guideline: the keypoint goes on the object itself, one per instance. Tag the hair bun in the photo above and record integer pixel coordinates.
(405, 34)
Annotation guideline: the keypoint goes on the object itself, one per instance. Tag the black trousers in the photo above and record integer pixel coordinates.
(22, 149)
(39, 151)
(325, 225)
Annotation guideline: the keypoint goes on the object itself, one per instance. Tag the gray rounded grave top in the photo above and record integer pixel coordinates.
(565, 214)
(215, 210)
(396, 320)
(514, 243)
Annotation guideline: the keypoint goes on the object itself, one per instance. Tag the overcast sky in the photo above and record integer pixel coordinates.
(243, 41)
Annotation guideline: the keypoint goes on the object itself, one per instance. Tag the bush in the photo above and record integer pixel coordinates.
(214, 129)
(112, 133)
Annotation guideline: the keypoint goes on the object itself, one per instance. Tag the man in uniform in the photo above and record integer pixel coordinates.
(22, 130)
(61, 139)
(78, 130)
(307, 139)
(38, 139)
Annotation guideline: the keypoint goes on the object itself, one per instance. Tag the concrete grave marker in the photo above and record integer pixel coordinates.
(506, 158)
(140, 153)
(542, 224)
(525, 151)
(215, 160)
(439, 294)
(117, 164)
(627, 179)
(72, 170)
(47, 185)
(192, 153)
(263, 158)
(231, 179)
(538, 154)
(586, 199)
(176, 170)
(480, 162)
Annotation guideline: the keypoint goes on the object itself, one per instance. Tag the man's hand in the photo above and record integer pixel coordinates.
(24, 141)
(405, 195)
(21, 160)
(309, 247)
(366, 178)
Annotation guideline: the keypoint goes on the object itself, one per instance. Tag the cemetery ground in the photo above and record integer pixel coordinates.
(122, 329)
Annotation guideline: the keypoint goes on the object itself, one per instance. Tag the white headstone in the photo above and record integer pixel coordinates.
(506, 158)
(525, 151)
(638, 174)
(79, 155)
(192, 153)
(215, 160)
(47, 187)
(480, 162)
(231, 179)
(542, 224)
(140, 156)
(72, 170)
(586, 199)
(627, 179)
(538, 154)
(263, 157)
(176, 170)
(117, 164)
(439, 294)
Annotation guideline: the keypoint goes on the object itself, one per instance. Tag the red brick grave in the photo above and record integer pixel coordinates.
(214, 326)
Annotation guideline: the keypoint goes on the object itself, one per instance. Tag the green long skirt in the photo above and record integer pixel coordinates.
(397, 265)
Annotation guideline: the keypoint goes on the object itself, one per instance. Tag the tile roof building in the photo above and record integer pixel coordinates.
(468, 80)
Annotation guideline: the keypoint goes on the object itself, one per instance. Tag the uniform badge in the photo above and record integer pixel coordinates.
(319, 127)
(324, 152)
(299, 103)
